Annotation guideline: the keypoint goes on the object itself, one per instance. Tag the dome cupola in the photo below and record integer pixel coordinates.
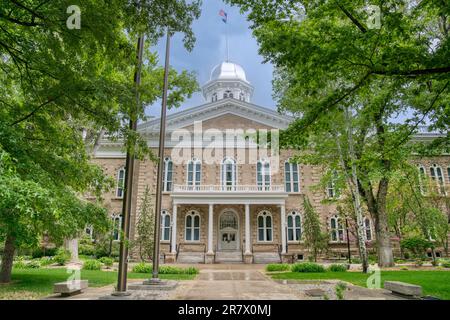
(227, 80)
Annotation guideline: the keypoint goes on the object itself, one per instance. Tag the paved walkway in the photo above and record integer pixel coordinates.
(240, 282)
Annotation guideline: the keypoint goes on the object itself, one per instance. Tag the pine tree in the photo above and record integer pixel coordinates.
(315, 240)
(145, 227)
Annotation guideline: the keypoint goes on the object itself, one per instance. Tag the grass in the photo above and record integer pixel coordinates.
(434, 283)
(38, 283)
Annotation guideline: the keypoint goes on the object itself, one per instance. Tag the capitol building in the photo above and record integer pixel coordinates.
(225, 198)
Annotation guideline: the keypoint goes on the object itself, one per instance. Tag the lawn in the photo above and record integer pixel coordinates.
(38, 283)
(434, 283)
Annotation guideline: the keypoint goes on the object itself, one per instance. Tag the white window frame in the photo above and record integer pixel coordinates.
(338, 230)
(165, 215)
(223, 180)
(331, 187)
(116, 217)
(214, 97)
(192, 214)
(90, 234)
(265, 214)
(120, 189)
(423, 176)
(438, 179)
(166, 182)
(194, 162)
(294, 227)
(291, 182)
(265, 184)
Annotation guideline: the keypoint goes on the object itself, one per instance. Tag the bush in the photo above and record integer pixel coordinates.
(92, 265)
(45, 261)
(404, 268)
(108, 262)
(418, 262)
(142, 267)
(416, 245)
(356, 260)
(44, 252)
(147, 268)
(445, 264)
(277, 267)
(33, 265)
(337, 268)
(62, 256)
(307, 267)
(86, 247)
(19, 263)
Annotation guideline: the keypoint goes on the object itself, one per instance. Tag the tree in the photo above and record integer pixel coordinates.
(315, 240)
(145, 227)
(329, 59)
(61, 90)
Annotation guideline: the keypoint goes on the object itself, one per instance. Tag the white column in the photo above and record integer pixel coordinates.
(248, 249)
(210, 229)
(283, 229)
(174, 229)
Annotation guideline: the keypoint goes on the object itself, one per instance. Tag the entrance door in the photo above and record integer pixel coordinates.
(228, 231)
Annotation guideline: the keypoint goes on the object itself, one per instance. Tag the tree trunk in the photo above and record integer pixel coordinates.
(7, 259)
(385, 257)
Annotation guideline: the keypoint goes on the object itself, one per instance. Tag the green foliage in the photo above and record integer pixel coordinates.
(19, 263)
(314, 238)
(86, 247)
(307, 267)
(147, 268)
(404, 268)
(337, 268)
(339, 290)
(445, 263)
(44, 252)
(278, 267)
(62, 256)
(145, 226)
(108, 262)
(92, 265)
(416, 245)
(34, 264)
(46, 261)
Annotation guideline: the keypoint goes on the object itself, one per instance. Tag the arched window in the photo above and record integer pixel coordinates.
(214, 97)
(438, 177)
(120, 183)
(194, 172)
(241, 96)
(167, 174)
(265, 226)
(165, 226)
(192, 229)
(448, 174)
(423, 180)
(228, 173)
(336, 229)
(89, 232)
(294, 226)
(263, 174)
(117, 224)
(291, 177)
(227, 94)
(368, 229)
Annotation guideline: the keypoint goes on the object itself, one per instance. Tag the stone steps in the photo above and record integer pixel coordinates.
(191, 257)
(266, 257)
(228, 257)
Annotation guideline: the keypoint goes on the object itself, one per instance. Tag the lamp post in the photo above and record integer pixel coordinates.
(348, 242)
(129, 171)
(159, 185)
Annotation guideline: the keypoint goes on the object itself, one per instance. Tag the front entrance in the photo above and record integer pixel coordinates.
(228, 231)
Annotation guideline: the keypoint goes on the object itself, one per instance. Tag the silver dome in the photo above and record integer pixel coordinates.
(228, 71)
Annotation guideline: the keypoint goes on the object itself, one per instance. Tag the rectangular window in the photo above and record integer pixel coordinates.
(120, 183)
(291, 177)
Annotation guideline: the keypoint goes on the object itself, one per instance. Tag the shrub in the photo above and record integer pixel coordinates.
(62, 256)
(44, 252)
(418, 262)
(191, 270)
(340, 288)
(19, 263)
(404, 268)
(108, 262)
(142, 267)
(307, 267)
(92, 265)
(356, 260)
(277, 267)
(445, 264)
(45, 261)
(400, 261)
(416, 245)
(337, 268)
(86, 247)
(35, 264)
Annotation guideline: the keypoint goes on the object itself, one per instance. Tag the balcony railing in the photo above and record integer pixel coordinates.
(221, 188)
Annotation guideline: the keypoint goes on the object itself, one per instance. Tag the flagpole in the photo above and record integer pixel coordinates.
(226, 37)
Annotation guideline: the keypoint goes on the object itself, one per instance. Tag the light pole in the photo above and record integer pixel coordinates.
(129, 171)
(159, 185)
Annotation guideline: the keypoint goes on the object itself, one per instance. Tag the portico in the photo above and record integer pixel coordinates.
(230, 220)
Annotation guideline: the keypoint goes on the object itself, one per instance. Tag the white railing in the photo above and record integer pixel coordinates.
(220, 188)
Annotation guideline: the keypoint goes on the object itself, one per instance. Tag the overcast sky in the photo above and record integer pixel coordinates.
(210, 50)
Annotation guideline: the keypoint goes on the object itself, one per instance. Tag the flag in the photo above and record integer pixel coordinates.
(224, 15)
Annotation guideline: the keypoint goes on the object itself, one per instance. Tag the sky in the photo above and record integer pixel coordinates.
(210, 50)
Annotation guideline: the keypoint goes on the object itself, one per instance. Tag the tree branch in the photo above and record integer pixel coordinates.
(33, 112)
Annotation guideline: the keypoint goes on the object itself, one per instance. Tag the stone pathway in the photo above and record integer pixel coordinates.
(240, 282)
